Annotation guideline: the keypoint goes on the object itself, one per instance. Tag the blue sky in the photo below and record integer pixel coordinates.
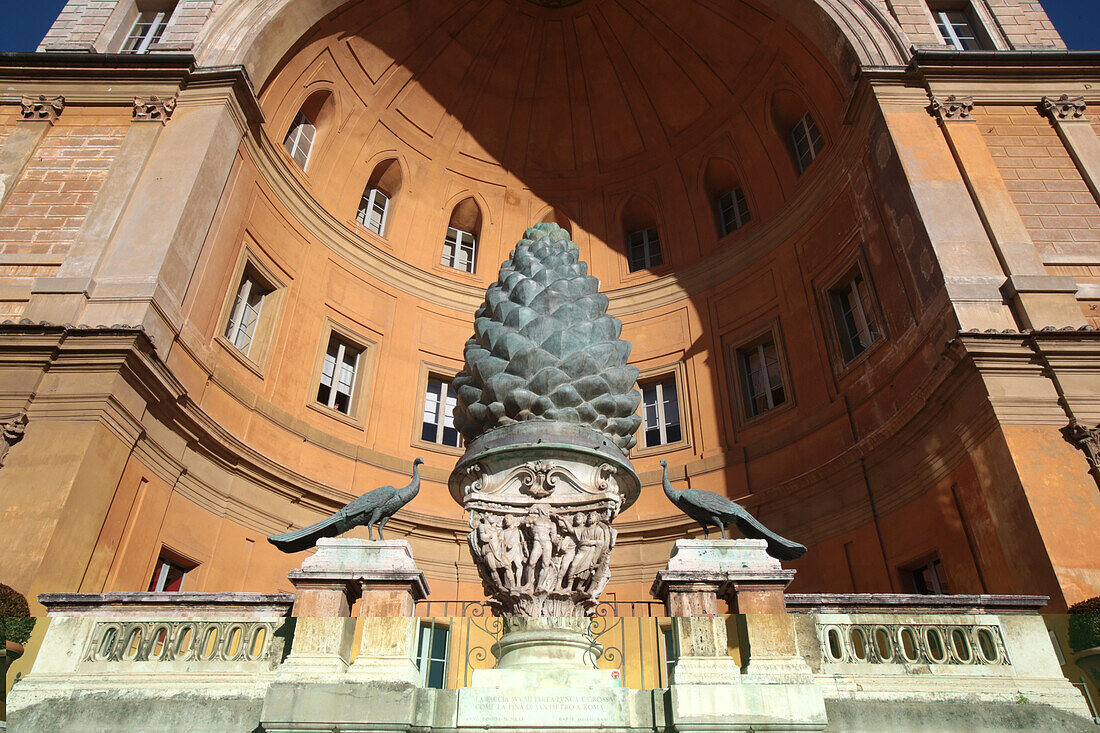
(24, 22)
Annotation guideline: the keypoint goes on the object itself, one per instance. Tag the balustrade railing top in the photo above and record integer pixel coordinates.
(913, 603)
(131, 605)
(431, 608)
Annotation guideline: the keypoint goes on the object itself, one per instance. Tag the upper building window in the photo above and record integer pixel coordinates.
(763, 377)
(299, 139)
(382, 188)
(459, 250)
(241, 329)
(147, 30)
(644, 248)
(957, 29)
(854, 315)
(671, 655)
(733, 211)
(660, 412)
(372, 210)
(807, 141)
(438, 425)
(338, 375)
(463, 230)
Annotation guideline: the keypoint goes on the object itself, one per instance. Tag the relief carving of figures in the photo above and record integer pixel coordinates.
(550, 561)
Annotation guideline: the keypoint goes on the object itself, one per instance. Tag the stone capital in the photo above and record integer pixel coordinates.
(153, 109)
(952, 108)
(41, 108)
(1064, 108)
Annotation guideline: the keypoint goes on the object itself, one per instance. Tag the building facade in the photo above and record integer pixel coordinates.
(855, 247)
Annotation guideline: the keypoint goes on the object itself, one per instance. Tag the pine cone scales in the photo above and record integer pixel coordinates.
(544, 347)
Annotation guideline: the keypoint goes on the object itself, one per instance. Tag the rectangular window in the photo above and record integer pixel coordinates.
(338, 374)
(147, 30)
(241, 329)
(762, 377)
(671, 656)
(644, 249)
(299, 139)
(372, 211)
(733, 211)
(168, 575)
(439, 413)
(957, 30)
(431, 654)
(807, 141)
(928, 578)
(660, 412)
(853, 314)
(459, 250)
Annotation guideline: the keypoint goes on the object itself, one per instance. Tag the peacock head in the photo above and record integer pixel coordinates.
(417, 461)
(664, 463)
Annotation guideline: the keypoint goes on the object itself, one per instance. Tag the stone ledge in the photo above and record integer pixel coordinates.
(913, 603)
(165, 604)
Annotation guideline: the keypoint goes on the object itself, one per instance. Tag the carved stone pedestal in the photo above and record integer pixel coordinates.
(709, 692)
(385, 580)
(547, 652)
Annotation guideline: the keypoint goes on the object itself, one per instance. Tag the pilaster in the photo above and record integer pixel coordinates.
(1068, 116)
(37, 116)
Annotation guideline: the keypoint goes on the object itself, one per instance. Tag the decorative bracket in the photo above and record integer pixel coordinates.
(1087, 441)
(952, 108)
(42, 108)
(153, 109)
(1064, 107)
(11, 432)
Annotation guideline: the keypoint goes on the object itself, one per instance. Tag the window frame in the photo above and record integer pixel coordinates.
(169, 557)
(669, 653)
(951, 39)
(807, 124)
(647, 251)
(301, 122)
(665, 371)
(445, 373)
(427, 628)
(737, 196)
(744, 357)
(369, 198)
(364, 372)
(151, 35)
(940, 582)
(856, 281)
(267, 320)
(769, 332)
(472, 270)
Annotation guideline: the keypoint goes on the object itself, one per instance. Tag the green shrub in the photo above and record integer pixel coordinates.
(16, 621)
(1084, 624)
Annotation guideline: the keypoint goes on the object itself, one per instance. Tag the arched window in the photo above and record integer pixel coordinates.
(303, 133)
(643, 244)
(378, 197)
(803, 137)
(557, 216)
(463, 230)
(726, 195)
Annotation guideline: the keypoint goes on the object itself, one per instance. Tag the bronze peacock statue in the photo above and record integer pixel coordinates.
(708, 508)
(373, 508)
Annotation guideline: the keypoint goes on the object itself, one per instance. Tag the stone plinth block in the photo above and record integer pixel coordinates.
(383, 573)
(741, 571)
(746, 707)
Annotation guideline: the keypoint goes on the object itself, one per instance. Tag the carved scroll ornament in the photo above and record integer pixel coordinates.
(1064, 107)
(952, 108)
(11, 432)
(42, 108)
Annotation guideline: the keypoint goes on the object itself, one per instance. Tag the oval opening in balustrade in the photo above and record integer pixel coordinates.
(256, 646)
(858, 638)
(961, 644)
(107, 643)
(183, 644)
(160, 643)
(834, 644)
(933, 640)
(907, 641)
(987, 646)
(233, 642)
(883, 646)
(133, 645)
(209, 643)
